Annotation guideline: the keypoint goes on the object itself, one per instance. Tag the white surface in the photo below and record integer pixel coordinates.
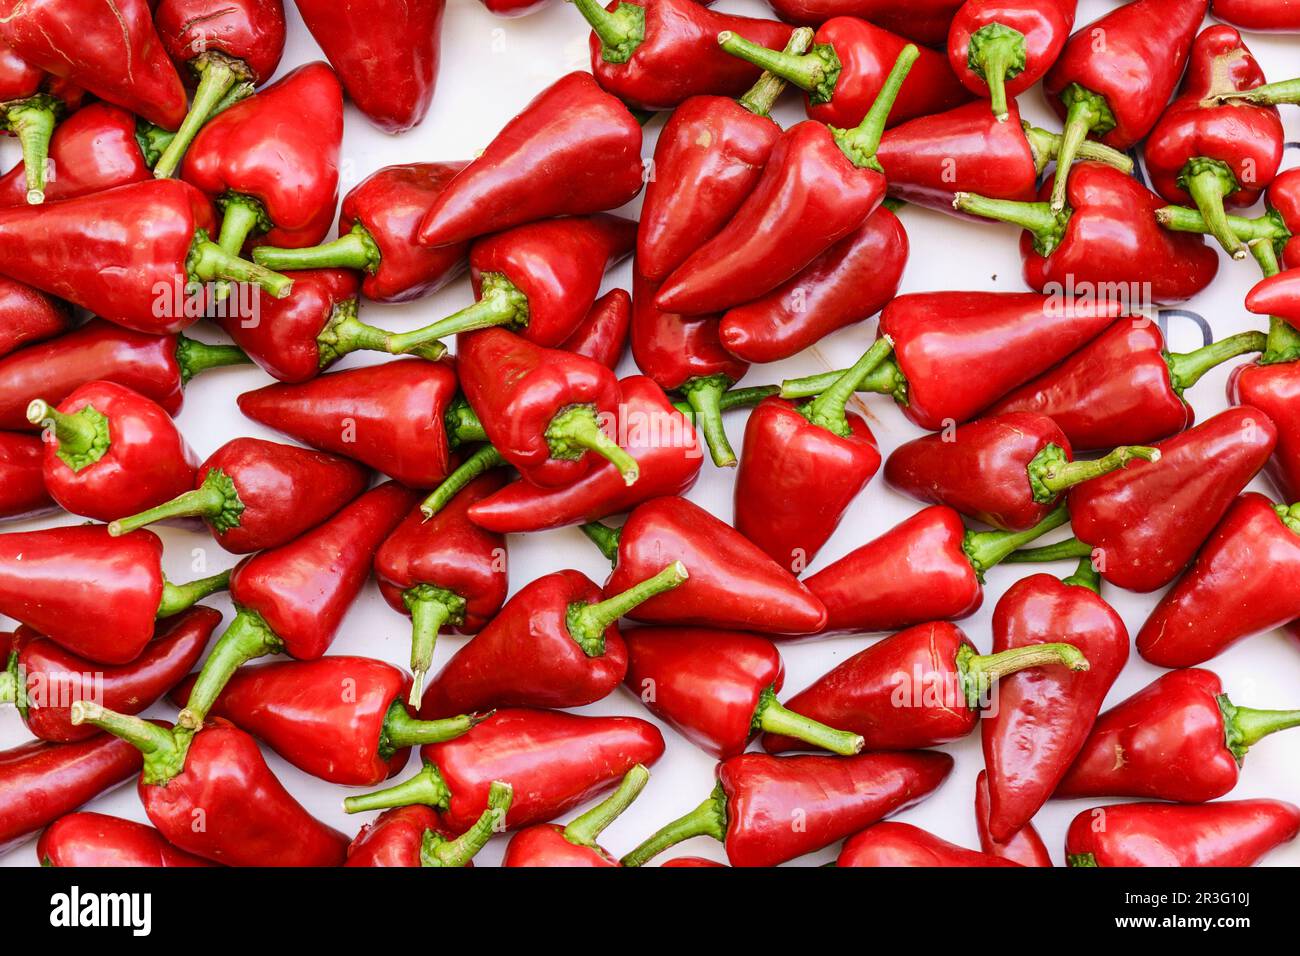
(490, 69)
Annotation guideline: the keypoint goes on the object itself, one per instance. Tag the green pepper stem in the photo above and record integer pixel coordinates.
(860, 144)
(586, 829)
(704, 395)
(82, 437)
(218, 73)
(164, 750)
(1243, 727)
(997, 54)
(1085, 576)
(815, 72)
(587, 623)
(247, 638)
(575, 431)
(483, 460)
(462, 423)
(1059, 474)
(426, 787)
(180, 597)
(33, 123)
(431, 608)
(437, 850)
(1076, 860)
(1283, 342)
(355, 249)
(1086, 112)
(209, 261)
(1186, 368)
(762, 96)
(1036, 218)
(985, 549)
(885, 379)
(500, 303)
(1209, 182)
(1270, 94)
(1046, 146)
(620, 31)
(708, 819)
(978, 672)
(772, 717)
(828, 409)
(215, 500)
(1182, 219)
(194, 356)
(1071, 548)
(603, 537)
(402, 730)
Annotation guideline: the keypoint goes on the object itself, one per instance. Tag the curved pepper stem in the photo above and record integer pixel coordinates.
(885, 379)
(620, 32)
(587, 623)
(603, 537)
(1209, 182)
(1186, 368)
(1268, 226)
(81, 436)
(828, 409)
(1036, 218)
(247, 638)
(193, 356)
(427, 788)
(1243, 727)
(356, 249)
(997, 54)
(181, 597)
(1085, 576)
(815, 72)
(218, 74)
(216, 501)
(402, 730)
(1070, 548)
(500, 303)
(1270, 94)
(1046, 146)
(860, 144)
(345, 333)
(586, 829)
(978, 672)
(32, 122)
(762, 96)
(575, 430)
(164, 750)
(1086, 112)
(437, 850)
(431, 608)
(772, 717)
(984, 549)
(704, 395)
(1052, 472)
(708, 819)
(483, 460)
(209, 262)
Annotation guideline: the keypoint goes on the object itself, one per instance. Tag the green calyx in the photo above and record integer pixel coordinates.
(708, 819)
(575, 430)
(218, 74)
(241, 216)
(587, 623)
(1289, 515)
(209, 261)
(164, 750)
(1046, 146)
(586, 829)
(32, 121)
(828, 409)
(985, 549)
(604, 538)
(82, 436)
(620, 31)
(193, 356)
(1209, 182)
(426, 788)
(437, 850)
(1080, 859)
(815, 72)
(762, 96)
(401, 730)
(344, 333)
(462, 423)
(153, 141)
(431, 609)
(978, 672)
(182, 597)
(1187, 368)
(771, 716)
(13, 685)
(1051, 472)
(1047, 227)
(996, 54)
(704, 395)
(1086, 113)
(216, 501)
(355, 249)
(1243, 727)
(860, 144)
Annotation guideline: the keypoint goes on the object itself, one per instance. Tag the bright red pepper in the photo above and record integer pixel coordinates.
(140, 249)
(1008, 470)
(733, 584)
(97, 840)
(378, 228)
(22, 485)
(223, 48)
(43, 679)
(901, 844)
(1025, 847)
(156, 366)
(390, 416)
(513, 8)
(1179, 738)
(31, 101)
(1232, 833)
(573, 150)
(1277, 295)
(1043, 717)
(1259, 16)
(1284, 199)
(757, 796)
(254, 494)
(1143, 525)
(94, 595)
(575, 845)
(693, 862)
(271, 161)
(413, 836)
(1000, 48)
(921, 687)
(718, 689)
(1115, 75)
(602, 335)
(28, 316)
(110, 451)
(342, 719)
(1275, 390)
(925, 22)
(554, 761)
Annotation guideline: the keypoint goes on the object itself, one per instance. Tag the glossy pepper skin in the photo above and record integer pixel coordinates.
(554, 761)
(413, 836)
(98, 840)
(41, 781)
(921, 687)
(1000, 48)
(656, 54)
(255, 494)
(1043, 716)
(1268, 16)
(925, 22)
(110, 451)
(1275, 390)
(27, 316)
(378, 227)
(387, 416)
(155, 366)
(901, 844)
(1231, 833)
(575, 845)
(271, 161)
(1241, 583)
(602, 335)
(44, 678)
(573, 150)
(733, 583)
(1181, 738)
(22, 485)
(757, 795)
(337, 718)
(1025, 847)
(386, 54)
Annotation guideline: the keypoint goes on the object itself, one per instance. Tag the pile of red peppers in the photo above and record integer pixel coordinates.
(177, 184)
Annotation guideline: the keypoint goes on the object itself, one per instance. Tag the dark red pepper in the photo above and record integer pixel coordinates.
(925, 21)
(575, 845)
(1000, 48)
(413, 836)
(602, 335)
(1275, 390)
(28, 316)
(901, 844)
(1025, 847)
(22, 484)
(97, 840)
(1259, 16)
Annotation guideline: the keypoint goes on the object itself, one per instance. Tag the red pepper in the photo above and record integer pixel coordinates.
(846, 70)
(1008, 470)
(602, 335)
(817, 187)
(254, 494)
(94, 595)
(718, 689)
(28, 316)
(658, 435)
(98, 840)
(1284, 199)
(1115, 75)
(292, 599)
(1123, 387)
(733, 584)
(554, 761)
(386, 53)
(926, 568)
(753, 808)
(921, 687)
(555, 644)
(110, 451)
(803, 465)
(271, 161)
(1259, 16)
(1024, 847)
(22, 485)
(225, 47)
(542, 408)
(656, 54)
(1043, 717)
(1232, 833)
(573, 150)
(217, 774)
(694, 862)
(378, 229)
(444, 570)
(1179, 738)
(1108, 235)
(156, 366)
(390, 416)
(513, 8)
(43, 679)
(1277, 295)
(1275, 390)
(848, 283)
(1000, 48)
(341, 719)
(575, 845)
(41, 781)
(1243, 582)
(925, 22)
(413, 836)
(140, 249)
(1144, 524)
(901, 844)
